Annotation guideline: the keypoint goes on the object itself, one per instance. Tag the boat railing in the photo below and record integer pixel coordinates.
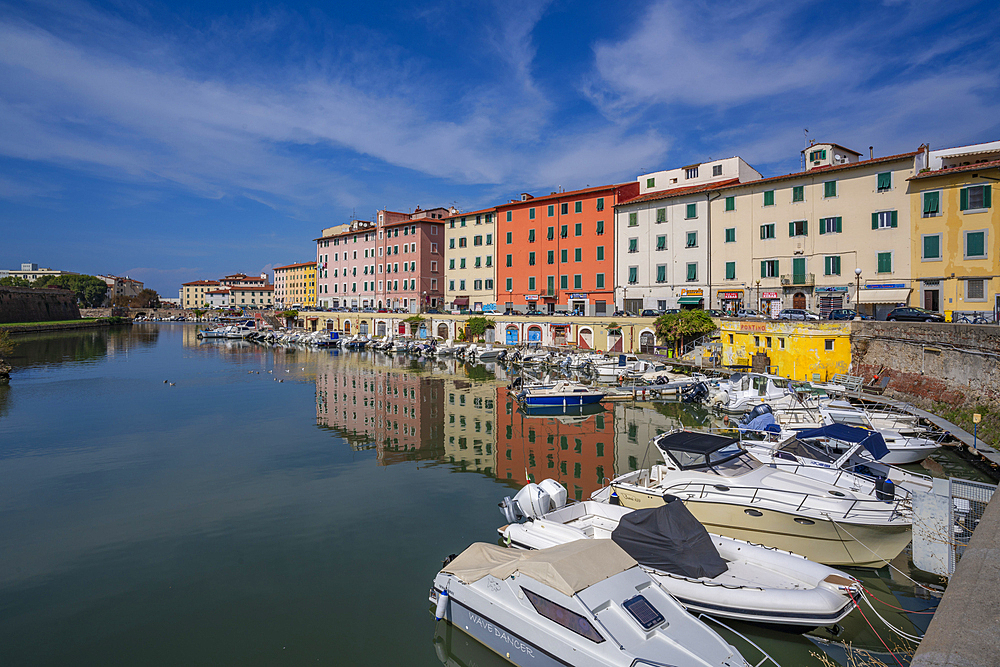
(797, 501)
(765, 659)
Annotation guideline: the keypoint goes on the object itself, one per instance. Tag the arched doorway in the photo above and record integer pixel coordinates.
(647, 342)
(423, 330)
(586, 339)
(512, 335)
(380, 328)
(443, 331)
(363, 328)
(799, 300)
(534, 334)
(615, 340)
(490, 335)
(347, 326)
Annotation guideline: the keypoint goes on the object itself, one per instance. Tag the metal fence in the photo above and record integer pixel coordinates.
(968, 503)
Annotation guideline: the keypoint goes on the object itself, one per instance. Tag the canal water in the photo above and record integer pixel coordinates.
(171, 501)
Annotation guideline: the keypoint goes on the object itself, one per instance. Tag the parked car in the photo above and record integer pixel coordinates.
(432, 311)
(797, 314)
(750, 313)
(715, 313)
(649, 313)
(910, 314)
(670, 311)
(845, 314)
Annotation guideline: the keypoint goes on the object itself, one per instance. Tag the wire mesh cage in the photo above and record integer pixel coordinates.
(968, 503)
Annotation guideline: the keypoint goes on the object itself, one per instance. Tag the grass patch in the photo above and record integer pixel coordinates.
(33, 324)
(989, 427)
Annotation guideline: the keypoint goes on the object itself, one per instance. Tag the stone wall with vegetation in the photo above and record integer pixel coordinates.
(950, 369)
(22, 304)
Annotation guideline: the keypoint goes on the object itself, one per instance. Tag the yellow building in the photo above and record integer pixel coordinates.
(470, 418)
(795, 241)
(470, 272)
(195, 294)
(295, 285)
(955, 244)
(814, 351)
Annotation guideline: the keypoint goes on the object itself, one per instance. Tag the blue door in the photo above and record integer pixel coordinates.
(534, 335)
(512, 336)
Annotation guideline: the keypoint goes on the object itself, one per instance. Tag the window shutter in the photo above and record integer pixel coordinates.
(762, 231)
(838, 225)
(730, 203)
(791, 229)
(600, 226)
(828, 263)
(964, 199)
(822, 226)
(874, 220)
(805, 228)
(987, 195)
(763, 269)
(661, 274)
(894, 218)
(692, 271)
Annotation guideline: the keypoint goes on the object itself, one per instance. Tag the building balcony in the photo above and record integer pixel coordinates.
(803, 279)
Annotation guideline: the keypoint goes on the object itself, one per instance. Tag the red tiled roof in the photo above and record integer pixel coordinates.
(218, 291)
(253, 287)
(201, 282)
(992, 164)
(828, 169)
(491, 209)
(678, 192)
(560, 195)
(294, 266)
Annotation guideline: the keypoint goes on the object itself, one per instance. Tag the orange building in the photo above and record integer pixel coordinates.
(576, 451)
(557, 252)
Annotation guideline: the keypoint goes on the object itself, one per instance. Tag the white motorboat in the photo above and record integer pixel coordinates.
(735, 495)
(742, 391)
(562, 394)
(902, 449)
(239, 331)
(711, 574)
(219, 332)
(612, 369)
(586, 604)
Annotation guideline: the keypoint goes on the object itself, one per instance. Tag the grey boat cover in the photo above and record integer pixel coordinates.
(668, 538)
(569, 568)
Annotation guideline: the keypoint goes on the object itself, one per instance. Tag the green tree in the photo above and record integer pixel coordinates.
(147, 298)
(6, 347)
(90, 290)
(199, 314)
(14, 281)
(687, 324)
(475, 327)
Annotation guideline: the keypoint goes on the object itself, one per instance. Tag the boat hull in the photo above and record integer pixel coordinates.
(829, 542)
(561, 401)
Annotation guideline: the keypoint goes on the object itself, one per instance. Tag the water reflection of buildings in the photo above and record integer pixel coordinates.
(578, 451)
(469, 425)
(395, 412)
(635, 425)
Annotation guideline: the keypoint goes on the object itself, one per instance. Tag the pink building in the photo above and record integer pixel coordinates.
(411, 259)
(345, 266)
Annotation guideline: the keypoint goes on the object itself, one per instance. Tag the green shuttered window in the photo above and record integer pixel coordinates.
(692, 211)
(885, 181)
(661, 215)
(600, 281)
(798, 193)
(975, 244)
(831, 265)
(633, 274)
(661, 242)
(932, 204)
(769, 198)
(692, 272)
(730, 203)
(661, 273)
(932, 246)
(885, 262)
(730, 235)
(730, 270)
(830, 189)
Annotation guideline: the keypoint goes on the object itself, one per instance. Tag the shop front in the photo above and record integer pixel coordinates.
(532, 301)
(829, 299)
(770, 303)
(578, 304)
(731, 302)
(691, 299)
(877, 299)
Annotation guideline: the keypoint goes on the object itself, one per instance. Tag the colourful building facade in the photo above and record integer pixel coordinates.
(295, 285)
(812, 351)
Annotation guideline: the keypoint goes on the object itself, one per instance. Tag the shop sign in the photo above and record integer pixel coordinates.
(753, 326)
(578, 296)
(831, 289)
(531, 297)
(692, 292)
(729, 296)
(886, 286)
(770, 295)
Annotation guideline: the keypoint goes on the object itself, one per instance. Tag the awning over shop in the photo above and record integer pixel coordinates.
(690, 300)
(895, 295)
(461, 301)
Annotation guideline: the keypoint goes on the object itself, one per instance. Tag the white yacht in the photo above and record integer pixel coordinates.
(735, 495)
(710, 574)
(586, 604)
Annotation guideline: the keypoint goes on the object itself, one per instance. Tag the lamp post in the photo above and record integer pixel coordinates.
(759, 309)
(857, 293)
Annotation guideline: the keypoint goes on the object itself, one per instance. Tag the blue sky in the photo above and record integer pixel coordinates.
(186, 140)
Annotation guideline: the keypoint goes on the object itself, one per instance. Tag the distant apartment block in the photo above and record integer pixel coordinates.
(470, 258)
(345, 266)
(31, 272)
(410, 259)
(295, 285)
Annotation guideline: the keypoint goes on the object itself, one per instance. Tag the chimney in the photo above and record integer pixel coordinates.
(871, 152)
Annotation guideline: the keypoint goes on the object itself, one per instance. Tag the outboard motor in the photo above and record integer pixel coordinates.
(693, 393)
(533, 501)
(757, 411)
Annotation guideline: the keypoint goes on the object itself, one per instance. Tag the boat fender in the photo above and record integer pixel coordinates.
(442, 605)
(614, 499)
(885, 489)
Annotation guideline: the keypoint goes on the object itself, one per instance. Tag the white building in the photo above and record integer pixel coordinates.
(662, 236)
(219, 298)
(31, 272)
(118, 286)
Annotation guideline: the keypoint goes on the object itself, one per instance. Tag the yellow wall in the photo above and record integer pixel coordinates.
(951, 224)
(804, 352)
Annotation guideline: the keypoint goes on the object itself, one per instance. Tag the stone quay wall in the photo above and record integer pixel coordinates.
(931, 362)
(23, 304)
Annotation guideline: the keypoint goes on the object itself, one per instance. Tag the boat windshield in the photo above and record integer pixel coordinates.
(729, 460)
(806, 450)
(851, 419)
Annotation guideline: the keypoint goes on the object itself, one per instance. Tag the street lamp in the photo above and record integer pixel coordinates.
(857, 294)
(759, 308)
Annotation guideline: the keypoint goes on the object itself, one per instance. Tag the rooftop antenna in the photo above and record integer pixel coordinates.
(802, 159)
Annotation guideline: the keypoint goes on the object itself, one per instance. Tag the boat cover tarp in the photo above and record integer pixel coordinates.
(670, 539)
(765, 422)
(569, 568)
(870, 440)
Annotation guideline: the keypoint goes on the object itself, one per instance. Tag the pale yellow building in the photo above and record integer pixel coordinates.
(470, 261)
(195, 294)
(812, 351)
(795, 241)
(470, 417)
(295, 285)
(955, 244)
